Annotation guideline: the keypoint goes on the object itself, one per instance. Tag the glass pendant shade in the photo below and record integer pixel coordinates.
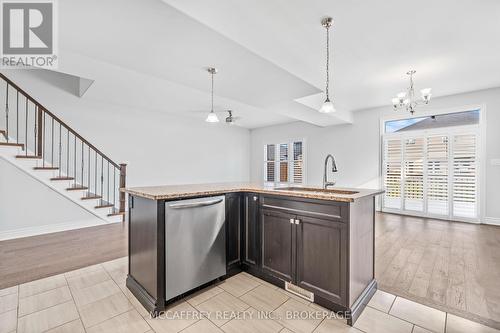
(327, 107)
(426, 94)
(212, 118)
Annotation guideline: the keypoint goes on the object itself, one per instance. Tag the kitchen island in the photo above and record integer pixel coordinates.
(316, 243)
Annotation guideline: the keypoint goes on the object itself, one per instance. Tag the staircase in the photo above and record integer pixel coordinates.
(42, 145)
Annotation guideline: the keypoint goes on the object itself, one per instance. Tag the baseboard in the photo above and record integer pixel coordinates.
(492, 220)
(50, 228)
(359, 305)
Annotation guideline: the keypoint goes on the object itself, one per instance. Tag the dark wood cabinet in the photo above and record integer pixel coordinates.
(251, 239)
(278, 244)
(322, 246)
(322, 258)
(233, 230)
(306, 243)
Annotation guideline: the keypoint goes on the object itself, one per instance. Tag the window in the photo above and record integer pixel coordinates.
(432, 172)
(284, 163)
(438, 121)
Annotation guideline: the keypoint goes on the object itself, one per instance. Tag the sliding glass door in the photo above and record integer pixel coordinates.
(432, 173)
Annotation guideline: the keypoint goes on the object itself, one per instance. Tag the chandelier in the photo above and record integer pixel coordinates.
(407, 100)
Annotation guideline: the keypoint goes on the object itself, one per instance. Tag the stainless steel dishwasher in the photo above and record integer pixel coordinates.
(195, 243)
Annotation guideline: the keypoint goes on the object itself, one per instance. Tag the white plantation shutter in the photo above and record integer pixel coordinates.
(432, 174)
(269, 164)
(392, 175)
(284, 163)
(464, 176)
(414, 174)
(437, 175)
(298, 162)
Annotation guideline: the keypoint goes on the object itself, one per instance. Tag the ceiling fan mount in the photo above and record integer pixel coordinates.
(230, 119)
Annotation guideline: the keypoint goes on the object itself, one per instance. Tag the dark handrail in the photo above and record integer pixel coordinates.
(44, 109)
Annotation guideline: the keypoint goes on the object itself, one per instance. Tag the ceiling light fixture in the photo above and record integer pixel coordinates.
(212, 117)
(407, 100)
(327, 106)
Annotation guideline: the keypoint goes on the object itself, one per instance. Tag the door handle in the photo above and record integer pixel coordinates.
(292, 221)
(297, 221)
(195, 204)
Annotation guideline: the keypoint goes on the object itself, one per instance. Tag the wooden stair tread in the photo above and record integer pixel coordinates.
(104, 204)
(12, 144)
(91, 196)
(28, 156)
(46, 168)
(116, 214)
(62, 178)
(77, 187)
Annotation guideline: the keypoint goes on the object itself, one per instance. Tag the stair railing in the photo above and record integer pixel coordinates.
(44, 136)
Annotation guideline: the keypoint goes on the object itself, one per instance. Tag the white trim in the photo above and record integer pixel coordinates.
(429, 113)
(492, 220)
(430, 216)
(481, 205)
(50, 228)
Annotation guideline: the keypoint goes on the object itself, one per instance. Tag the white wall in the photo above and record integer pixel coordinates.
(27, 205)
(159, 147)
(356, 147)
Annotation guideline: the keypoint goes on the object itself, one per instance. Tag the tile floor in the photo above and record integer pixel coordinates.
(95, 299)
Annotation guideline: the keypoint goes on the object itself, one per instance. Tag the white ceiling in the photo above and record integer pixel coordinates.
(270, 53)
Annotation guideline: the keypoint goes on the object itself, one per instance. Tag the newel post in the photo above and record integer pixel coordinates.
(123, 175)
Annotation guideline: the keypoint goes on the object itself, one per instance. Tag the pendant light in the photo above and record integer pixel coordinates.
(212, 117)
(327, 106)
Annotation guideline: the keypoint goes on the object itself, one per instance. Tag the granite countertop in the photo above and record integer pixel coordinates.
(194, 190)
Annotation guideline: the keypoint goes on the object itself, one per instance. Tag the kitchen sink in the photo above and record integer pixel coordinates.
(313, 189)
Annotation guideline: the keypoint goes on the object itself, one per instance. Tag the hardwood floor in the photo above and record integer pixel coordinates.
(451, 266)
(27, 259)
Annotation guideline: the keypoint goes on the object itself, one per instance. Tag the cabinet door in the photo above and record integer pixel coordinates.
(251, 238)
(233, 229)
(322, 258)
(278, 244)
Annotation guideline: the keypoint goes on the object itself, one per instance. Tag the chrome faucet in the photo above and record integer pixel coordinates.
(326, 183)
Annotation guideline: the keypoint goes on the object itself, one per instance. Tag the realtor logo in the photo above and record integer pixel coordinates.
(28, 34)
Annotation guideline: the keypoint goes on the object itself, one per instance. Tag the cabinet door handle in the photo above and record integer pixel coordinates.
(297, 221)
(292, 221)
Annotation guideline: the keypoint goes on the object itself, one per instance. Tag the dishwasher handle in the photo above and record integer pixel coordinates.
(195, 204)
